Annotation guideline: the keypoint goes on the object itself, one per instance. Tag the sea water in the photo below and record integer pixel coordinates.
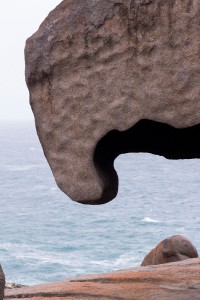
(44, 236)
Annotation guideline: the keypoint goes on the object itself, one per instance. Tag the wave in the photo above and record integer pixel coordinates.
(125, 260)
(53, 188)
(180, 230)
(17, 168)
(149, 220)
(36, 256)
(32, 256)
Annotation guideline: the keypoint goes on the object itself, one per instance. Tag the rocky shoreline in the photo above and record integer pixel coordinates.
(159, 277)
(179, 280)
(11, 285)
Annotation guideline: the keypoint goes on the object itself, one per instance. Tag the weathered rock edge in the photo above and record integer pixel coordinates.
(2, 283)
(179, 280)
(95, 66)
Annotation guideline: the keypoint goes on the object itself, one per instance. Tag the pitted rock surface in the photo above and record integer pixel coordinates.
(174, 248)
(95, 66)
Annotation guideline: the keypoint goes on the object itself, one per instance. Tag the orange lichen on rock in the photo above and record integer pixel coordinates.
(173, 281)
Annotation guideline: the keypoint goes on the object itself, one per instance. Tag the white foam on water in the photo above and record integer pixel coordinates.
(54, 188)
(17, 168)
(36, 256)
(38, 187)
(182, 229)
(149, 220)
(33, 256)
(126, 260)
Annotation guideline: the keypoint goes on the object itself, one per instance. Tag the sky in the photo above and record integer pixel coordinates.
(19, 19)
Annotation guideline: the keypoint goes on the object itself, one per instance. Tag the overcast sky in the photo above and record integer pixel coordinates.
(18, 20)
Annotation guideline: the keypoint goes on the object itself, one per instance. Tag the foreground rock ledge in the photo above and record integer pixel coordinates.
(98, 67)
(174, 281)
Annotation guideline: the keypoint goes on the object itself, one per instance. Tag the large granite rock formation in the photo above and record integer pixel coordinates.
(174, 248)
(2, 283)
(114, 76)
(173, 281)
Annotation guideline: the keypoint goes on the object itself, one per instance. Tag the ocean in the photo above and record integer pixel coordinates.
(46, 237)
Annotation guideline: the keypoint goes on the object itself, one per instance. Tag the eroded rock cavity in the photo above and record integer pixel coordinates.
(110, 77)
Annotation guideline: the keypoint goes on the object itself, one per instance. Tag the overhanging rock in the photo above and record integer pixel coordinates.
(113, 76)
